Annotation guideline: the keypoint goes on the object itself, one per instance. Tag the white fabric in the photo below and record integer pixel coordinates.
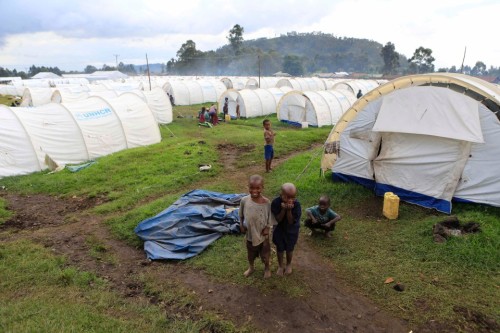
(17, 154)
(53, 131)
(359, 145)
(100, 126)
(318, 108)
(37, 96)
(137, 120)
(480, 181)
(430, 111)
(421, 163)
(159, 103)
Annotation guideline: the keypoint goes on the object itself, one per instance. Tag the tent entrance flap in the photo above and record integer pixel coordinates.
(421, 164)
(430, 111)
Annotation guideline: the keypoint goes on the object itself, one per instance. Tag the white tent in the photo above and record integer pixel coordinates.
(429, 138)
(354, 86)
(265, 82)
(316, 108)
(253, 102)
(190, 92)
(302, 84)
(137, 120)
(237, 83)
(72, 132)
(33, 96)
(159, 104)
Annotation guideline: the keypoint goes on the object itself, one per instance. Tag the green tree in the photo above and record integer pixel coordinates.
(390, 57)
(235, 38)
(89, 69)
(292, 65)
(479, 68)
(188, 51)
(422, 61)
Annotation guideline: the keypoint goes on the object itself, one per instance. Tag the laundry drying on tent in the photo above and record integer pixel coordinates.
(190, 225)
(429, 138)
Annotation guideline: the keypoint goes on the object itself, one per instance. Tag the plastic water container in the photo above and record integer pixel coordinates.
(391, 206)
(227, 117)
(305, 124)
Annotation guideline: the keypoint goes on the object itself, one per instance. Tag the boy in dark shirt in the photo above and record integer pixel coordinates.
(286, 210)
(322, 216)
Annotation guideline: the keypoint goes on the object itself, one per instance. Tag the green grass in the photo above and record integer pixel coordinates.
(4, 213)
(40, 293)
(6, 99)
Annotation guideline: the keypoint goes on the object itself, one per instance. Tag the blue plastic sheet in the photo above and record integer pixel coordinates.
(192, 223)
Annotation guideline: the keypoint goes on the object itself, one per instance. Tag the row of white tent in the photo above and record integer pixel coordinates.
(314, 108)
(74, 132)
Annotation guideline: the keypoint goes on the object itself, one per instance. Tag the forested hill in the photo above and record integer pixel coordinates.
(302, 53)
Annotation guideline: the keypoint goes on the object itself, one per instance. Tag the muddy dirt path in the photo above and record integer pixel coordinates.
(64, 226)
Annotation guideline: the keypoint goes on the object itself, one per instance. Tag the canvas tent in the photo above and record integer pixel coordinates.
(189, 92)
(354, 86)
(72, 133)
(429, 138)
(316, 108)
(302, 84)
(253, 102)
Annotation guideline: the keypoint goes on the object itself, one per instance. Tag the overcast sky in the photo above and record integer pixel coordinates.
(74, 33)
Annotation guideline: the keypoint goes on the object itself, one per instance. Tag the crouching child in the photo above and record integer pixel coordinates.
(322, 217)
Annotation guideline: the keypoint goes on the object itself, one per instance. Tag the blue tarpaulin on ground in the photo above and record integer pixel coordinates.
(192, 223)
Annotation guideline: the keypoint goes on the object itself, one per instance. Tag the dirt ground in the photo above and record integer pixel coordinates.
(65, 226)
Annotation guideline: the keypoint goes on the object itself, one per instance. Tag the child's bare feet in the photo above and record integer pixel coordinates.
(328, 234)
(249, 271)
(288, 270)
(280, 271)
(267, 274)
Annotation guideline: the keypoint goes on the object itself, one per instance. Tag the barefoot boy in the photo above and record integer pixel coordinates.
(322, 216)
(286, 209)
(268, 148)
(256, 219)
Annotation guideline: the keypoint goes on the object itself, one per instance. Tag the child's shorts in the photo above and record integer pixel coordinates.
(268, 152)
(263, 250)
(284, 241)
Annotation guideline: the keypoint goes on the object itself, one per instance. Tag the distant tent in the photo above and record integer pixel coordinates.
(190, 92)
(46, 75)
(316, 108)
(253, 102)
(281, 74)
(429, 138)
(302, 84)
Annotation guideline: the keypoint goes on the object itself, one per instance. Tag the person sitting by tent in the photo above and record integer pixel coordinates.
(322, 217)
(214, 119)
(359, 94)
(201, 115)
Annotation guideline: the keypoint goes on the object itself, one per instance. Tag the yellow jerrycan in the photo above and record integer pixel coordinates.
(227, 117)
(391, 206)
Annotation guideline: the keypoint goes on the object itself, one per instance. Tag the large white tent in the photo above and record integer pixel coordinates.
(316, 108)
(72, 132)
(429, 138)
(252, 102)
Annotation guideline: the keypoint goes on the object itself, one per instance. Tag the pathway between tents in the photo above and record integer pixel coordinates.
(64, 226)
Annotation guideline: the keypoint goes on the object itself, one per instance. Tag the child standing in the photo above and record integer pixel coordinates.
(269, 142)
(322, 217)
(286, 210)
(256, 220)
